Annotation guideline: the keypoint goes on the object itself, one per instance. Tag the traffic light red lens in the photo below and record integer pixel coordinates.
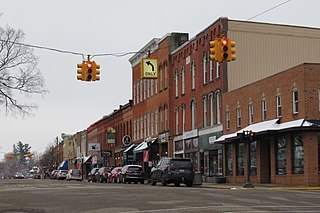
(225, 42)
(89, 65)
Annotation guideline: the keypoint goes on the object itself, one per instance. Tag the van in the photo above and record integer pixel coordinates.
(173, 170)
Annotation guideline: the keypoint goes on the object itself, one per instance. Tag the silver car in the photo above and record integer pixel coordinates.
(74, 174)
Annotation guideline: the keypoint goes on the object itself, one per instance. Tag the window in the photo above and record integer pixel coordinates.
(156, 120)
(145, 125)
(177, 120)
(217, 69)
(218, 107)
(183, 111)
(166, 120)
(176, 78)
(264, 109)
(204, 101)
(152, 123)
(193, 76)
(144, 89)
(229, 164)
(297, 155)
(211, 70)
(160, 78)
(211, 110)
(279, 106)
(141, 91)
(250, 112)
(238, 117)
(134, 95)
(156, 86)
(138, 93)
(227, 119)
(240, 159)
(319, 98)
(281, 159)
(149, 88)
(193, 114)
(204, 61)
(253, 158)
(165, 75)
(152, 86)
(138, 128)
(295, 101)
(182, 81)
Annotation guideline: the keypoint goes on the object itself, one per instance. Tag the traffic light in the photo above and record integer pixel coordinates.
(231, 51)
(96, 71)
(215, 53)
(88, 71)
(81, 71)
(224, 49)
(252, 136)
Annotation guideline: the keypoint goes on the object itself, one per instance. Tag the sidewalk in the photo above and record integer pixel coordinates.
(255, 186)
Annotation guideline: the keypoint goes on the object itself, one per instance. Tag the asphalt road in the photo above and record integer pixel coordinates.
(30, 195)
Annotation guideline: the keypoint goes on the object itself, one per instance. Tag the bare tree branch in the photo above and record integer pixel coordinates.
(18, 73)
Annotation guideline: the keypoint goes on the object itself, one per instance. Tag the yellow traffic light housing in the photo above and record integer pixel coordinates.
(224, 49)
(215, 50)
(231, 51)
(81, 71)
(96, 71)
(89, 70)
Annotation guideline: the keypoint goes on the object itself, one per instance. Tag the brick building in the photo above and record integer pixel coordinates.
(284, 112)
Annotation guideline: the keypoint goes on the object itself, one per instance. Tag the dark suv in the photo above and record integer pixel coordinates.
(173, 170)
(132, 173)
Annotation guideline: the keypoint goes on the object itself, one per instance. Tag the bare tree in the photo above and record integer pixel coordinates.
(18, 73)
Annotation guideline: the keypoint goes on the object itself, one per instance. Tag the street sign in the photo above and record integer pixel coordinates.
(149, 68)
(106, 153)
(126, 140)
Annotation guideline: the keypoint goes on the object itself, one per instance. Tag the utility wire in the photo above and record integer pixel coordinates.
(120, 54)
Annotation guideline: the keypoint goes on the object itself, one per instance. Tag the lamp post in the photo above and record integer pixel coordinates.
(247, 139)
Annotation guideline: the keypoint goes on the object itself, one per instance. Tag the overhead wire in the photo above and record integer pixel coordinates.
(125, 53)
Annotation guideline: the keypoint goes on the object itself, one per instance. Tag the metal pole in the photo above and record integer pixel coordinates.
(248, 183)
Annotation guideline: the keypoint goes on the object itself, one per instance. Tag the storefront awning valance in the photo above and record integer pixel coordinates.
(86, 158)
(266, 126)
(143, 145)
(129, 148)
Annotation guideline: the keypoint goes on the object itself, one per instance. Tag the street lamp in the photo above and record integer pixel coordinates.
(247, 138)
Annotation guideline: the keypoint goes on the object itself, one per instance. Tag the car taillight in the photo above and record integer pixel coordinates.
(128, 171)
(71, 173)
(104, 173)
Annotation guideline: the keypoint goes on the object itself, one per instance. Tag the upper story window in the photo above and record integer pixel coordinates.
(264, 109)
(238, 116)
(217, 70)
(134, 95)
(218, 107)
(193, 114)
(141, 91)
(204, 62)
(183, 73)
(250, 112)
(295, 101)
(152, 86)
(279, 105)
(156, 86)
(149, 88)
(193, 75)
(176, 78)
(211, 70)
(183, 112)
(176, 111)
(166, 75)
(211, 109)
(227, 119)
(144, 89)
(205, 113)
(166, 117)
(160, 78)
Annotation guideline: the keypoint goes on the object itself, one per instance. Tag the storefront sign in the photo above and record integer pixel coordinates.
(190, 134)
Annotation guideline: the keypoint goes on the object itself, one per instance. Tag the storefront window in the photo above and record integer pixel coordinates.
(229, 164)
(253, 158)
(281, 159)
(298, 155)
(240, 159)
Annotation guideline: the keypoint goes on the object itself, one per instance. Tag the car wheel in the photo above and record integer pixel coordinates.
(177, 183)
(142, 182)
(101, 181)
(118, 179)
(153, 182)
(123, 180)
(189, 184)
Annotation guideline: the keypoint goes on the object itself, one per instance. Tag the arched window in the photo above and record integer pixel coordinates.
(193, 114)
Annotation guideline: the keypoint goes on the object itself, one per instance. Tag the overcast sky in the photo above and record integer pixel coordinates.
(94, 27)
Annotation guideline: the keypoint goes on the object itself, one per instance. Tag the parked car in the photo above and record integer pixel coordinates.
(74, 174)
(132, 173)
(61, 174)
(114, 176)
(53, 174)
(18, 175)
(91, 175)
(102, 174)
(173, 170)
